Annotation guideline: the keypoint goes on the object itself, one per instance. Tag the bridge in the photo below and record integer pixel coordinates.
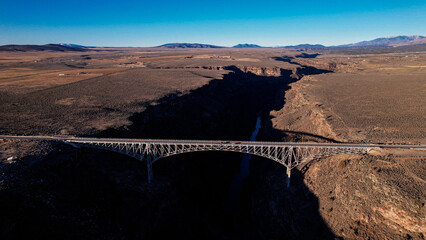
(289, 154)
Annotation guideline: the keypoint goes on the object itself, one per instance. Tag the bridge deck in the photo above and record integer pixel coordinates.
(210, 142)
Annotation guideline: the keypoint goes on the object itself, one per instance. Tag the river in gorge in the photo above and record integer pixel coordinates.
(237, 182)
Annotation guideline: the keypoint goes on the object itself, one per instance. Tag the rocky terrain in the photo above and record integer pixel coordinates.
(376, 197)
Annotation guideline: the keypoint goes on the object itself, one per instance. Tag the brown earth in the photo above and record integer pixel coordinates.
(369, 99)
(103, 88)
(97, 93)
(376, 197)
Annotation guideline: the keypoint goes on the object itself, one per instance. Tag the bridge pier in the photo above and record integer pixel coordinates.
(148, 159)
(149, 169)
(288, 176)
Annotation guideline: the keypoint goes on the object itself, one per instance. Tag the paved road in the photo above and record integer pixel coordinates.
(208, 142)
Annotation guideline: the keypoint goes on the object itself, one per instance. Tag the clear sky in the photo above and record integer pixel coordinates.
(220, 22)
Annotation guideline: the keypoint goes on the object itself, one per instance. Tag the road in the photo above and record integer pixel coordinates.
(209, 142)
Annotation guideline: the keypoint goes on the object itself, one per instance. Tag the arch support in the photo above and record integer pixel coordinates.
(288, 155)
(149, 157)
(149, 168)
(288, 177)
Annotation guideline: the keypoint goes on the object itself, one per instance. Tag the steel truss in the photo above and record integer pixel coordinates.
(289, 155)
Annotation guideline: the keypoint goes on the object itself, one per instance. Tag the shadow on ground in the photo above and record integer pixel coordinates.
(88, 194)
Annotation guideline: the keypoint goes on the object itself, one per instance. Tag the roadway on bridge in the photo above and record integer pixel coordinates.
(209, 142)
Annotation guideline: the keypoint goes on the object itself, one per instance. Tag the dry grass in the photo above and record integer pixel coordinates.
(373, 98)
(85, 92)
(96, 103)
(385, 104)
(21, 80)
(16, 57)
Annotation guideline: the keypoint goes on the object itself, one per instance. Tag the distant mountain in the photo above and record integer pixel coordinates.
(386, 41)
(74, 45)
(246, 45)
(306, 46)
(420, 41)
(47, 47)
(188, 45)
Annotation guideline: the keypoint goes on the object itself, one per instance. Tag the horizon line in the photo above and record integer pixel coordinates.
(219, 46)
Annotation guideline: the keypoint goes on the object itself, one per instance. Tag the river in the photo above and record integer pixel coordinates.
(234, 194)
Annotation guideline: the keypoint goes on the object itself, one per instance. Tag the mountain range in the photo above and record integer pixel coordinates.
(389, 41)
(46, 47)
(188, 45)
(75, 45)
(378, 42)
(306, 46)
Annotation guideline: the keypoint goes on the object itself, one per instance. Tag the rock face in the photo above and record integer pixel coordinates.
(370, 197)
(302, 114)
(262, 71)
(259, 71)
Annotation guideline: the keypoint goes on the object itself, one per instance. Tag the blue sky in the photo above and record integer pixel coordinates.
(226, 23)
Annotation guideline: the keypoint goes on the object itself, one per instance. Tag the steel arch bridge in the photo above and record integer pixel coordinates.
(289, 154)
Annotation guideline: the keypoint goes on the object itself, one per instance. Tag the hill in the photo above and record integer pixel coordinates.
(188, 45)
(47, 47)
(420, 41)
(387, 41)
(75, 45)
(246, 45)
(306, 46)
